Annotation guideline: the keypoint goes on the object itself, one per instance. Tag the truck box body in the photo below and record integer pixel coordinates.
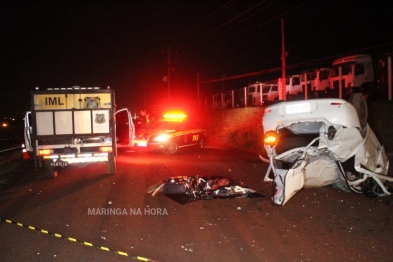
(73, 126)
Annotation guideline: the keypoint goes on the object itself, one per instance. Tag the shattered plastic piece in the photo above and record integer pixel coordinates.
(184, 189)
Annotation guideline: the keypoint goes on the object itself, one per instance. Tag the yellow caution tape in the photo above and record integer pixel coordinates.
(75, 240)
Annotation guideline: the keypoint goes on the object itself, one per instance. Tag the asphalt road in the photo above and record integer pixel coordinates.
(323, 224)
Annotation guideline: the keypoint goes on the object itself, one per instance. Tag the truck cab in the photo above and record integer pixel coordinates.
(293, 86)
(316, 80)
(270, 92)
(76, 126)
(254, 93)
(352, 74)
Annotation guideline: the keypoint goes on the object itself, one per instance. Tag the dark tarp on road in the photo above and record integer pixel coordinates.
(185, 189)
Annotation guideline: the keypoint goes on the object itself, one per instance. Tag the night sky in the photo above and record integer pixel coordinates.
(125, 44)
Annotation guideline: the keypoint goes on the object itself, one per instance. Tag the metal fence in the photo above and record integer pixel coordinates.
(241, 98)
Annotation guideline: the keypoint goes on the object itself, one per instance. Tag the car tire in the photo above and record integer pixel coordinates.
(358, 100)
(173, 147)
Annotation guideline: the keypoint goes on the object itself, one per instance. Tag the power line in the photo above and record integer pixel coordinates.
(254, 27)
(233, 19)
(248, 17)
(275, 17)
(219, 10)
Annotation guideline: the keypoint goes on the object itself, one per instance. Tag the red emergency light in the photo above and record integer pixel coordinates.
(175, 116)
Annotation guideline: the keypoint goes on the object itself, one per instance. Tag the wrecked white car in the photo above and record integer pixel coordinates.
(314, 143)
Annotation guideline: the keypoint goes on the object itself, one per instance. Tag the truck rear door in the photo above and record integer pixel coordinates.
(28, 131)
(125, 129)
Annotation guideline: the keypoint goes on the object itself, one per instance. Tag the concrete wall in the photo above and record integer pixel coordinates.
(242, 127)
(239, 127)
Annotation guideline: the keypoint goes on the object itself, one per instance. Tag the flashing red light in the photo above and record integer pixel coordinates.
(175, 116)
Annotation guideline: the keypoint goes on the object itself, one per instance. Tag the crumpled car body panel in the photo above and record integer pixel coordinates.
(341, 152)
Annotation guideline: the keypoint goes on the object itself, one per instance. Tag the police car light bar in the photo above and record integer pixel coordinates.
(174, 116)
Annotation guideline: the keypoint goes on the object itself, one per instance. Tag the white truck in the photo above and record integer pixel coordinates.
(260, 93)
(270, 92)
(254, 93)
(355, 73)
(317, 82)
(293, 86)
(76, 126)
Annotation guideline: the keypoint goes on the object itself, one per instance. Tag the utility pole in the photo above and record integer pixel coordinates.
(169, 71)
(283, 91)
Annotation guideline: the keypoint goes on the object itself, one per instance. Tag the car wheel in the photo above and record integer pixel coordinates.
(358, 100)
(173, 148)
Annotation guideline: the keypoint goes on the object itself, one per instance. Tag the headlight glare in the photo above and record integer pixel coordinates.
(161, 138)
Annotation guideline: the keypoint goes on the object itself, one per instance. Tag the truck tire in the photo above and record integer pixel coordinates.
(111, 164)
(358, 100)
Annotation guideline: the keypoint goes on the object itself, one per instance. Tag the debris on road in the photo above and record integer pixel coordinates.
(185, 189)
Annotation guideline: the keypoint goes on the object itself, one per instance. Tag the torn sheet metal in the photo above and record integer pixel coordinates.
(326, 136)
(185, 189)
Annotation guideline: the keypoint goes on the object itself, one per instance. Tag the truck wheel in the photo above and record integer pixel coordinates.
(173, 148)
(358, 100)
(111, 164)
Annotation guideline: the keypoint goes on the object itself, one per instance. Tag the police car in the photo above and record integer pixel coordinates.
(172, 133)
